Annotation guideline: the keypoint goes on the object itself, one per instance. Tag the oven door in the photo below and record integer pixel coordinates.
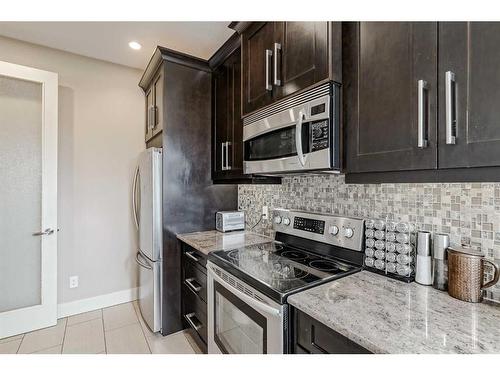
(240, 319)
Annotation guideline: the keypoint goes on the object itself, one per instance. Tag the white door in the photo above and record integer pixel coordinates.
(28, 199)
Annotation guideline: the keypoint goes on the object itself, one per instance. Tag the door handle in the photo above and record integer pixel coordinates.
(134, 201)
(268, 57)
(46, 232)
(450, 103)
(228, 167)
(277, 64)
(189, 283)
(247, 299)
(298, 138)
(190, 255)
(154, 110)
(422, 114)
(223, 154)
(144, 265)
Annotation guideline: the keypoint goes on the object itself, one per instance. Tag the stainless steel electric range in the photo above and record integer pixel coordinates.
(248, 287)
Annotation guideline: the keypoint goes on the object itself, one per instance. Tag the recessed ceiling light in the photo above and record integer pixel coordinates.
(134, 45)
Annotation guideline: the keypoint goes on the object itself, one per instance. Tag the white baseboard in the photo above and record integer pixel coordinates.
(94, 303)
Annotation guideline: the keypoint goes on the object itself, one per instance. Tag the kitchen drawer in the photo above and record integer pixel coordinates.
(194, 312)
(195, 280)
(194, 257)
(316, 338)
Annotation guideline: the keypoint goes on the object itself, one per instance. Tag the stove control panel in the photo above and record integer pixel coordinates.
(309, 225)
(335, 230)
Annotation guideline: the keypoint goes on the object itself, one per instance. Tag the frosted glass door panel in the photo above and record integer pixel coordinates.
(20, 193)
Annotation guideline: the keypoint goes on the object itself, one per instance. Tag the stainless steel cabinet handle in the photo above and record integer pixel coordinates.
(189, 317)
(277, 64)
(46, 232)
(154, 111)
(144, 265)
(269, 56)
(190, 255)
(228, 167)
(223, 154)
(189, 283)
(422, 117)
(450, 102)
(298, 138)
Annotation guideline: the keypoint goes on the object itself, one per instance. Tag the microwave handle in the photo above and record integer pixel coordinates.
(247, 299)
(298, 138)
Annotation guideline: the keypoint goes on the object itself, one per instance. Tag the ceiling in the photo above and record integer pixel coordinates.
(109, 40)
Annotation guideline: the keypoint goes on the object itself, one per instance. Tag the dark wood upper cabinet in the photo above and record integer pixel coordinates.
(301, 56)
(154, 106)
(227, 125)
(282, 58)
(383, 63)
(257, 47)
(469, 51)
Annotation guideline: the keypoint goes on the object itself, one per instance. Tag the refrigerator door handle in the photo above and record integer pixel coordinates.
(144, 265)
(134, 200)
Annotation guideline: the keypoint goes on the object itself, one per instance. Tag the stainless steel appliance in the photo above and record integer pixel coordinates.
(298, 134)
(146, 202)
(227, 221)
(248, 287)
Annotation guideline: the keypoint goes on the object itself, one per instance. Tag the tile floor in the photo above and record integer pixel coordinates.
(117, 329)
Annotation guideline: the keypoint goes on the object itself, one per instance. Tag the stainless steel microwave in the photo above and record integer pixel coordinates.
(298, 134)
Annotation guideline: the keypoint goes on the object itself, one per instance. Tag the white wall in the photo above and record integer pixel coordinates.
(100, 136)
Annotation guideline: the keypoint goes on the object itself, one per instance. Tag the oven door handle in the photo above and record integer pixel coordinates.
(298, 138)
(248, 300)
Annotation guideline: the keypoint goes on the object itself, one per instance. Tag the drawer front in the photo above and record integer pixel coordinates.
(194, 257)
(315, 337)
(194, 312)
(195, 280)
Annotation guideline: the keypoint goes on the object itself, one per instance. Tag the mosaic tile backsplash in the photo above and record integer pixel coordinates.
(468, 212)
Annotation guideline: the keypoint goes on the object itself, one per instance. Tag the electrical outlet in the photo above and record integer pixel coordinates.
(265, 213)
(73, 282)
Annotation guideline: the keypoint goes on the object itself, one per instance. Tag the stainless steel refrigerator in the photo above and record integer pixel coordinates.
(147, 210)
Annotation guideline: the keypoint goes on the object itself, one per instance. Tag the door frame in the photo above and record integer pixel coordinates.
(44, 315)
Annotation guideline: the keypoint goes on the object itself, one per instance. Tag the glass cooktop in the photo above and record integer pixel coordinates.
(282, 269)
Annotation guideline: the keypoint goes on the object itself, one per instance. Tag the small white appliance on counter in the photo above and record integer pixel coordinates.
(226, 221)
(146, 205)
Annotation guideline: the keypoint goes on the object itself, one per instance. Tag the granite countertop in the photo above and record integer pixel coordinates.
(212, 240)
(389, 316)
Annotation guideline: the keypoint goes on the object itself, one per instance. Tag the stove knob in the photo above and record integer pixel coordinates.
(277, 219)
(348, 232)
(333, 230)
(286, 221)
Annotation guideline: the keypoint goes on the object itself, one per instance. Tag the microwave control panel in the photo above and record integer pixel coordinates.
(319, 135)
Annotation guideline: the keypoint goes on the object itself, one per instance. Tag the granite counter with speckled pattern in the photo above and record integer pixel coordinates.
(389, 316)
(212, 240)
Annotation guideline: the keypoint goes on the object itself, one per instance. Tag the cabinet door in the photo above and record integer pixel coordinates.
(235, 127)
(157, 112)
(220, 79)
(470, 51)
(149, 100)
(302, 59)
(257, 91)
(382, 64)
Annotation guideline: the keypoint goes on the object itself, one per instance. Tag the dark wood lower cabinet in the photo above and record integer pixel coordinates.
(194, 294)
(312, 337)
